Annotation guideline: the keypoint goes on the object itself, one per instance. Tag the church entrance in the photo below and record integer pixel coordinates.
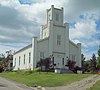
(59, 60)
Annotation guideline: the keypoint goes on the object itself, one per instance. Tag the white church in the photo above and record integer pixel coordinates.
(54, 42)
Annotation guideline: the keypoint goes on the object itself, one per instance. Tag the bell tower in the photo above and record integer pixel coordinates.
(56, 15)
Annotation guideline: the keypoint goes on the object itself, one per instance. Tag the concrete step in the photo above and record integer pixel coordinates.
(63, 70)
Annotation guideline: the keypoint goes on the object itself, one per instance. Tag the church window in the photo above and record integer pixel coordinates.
(24, 58)
(41, 54)
(58, 39)
(57, 17)
(29, 57)
(70, 57)
(53, 60)
(62, 61)
(74, 57)
(45, 34)
(19, 60)
(15, 61)
(49, 17)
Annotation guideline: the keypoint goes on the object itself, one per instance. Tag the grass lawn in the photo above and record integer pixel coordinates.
(96, 86)
(44, 79)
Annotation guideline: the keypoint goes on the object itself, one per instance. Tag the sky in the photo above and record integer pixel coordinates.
(20, 20)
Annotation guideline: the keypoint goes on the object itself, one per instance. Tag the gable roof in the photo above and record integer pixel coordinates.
(73, 43)
(23, 49)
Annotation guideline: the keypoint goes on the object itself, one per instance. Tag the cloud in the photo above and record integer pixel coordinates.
(20, 22)
(88, 54)
(82, 43)
(10, 3)
(73, 9)
(26, 1)
(14, 27)
(4, 48)
(83, 29)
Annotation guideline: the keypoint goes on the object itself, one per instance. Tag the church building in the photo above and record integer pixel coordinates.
(53, 42)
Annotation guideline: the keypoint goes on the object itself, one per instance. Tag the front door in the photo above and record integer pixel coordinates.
(59, 60)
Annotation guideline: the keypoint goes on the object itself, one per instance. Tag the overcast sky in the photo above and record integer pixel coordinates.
(20, 20)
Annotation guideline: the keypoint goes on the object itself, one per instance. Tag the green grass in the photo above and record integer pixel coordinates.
(96, 86)
(44, 79)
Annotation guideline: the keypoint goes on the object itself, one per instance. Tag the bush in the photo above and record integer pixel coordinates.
(76, 68)
(1, 69)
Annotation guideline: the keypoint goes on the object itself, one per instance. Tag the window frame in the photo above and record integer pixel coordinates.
(15, 61)
(29, 57)
(57, 17)
(58, 39)
(19, 60)
(24, 59)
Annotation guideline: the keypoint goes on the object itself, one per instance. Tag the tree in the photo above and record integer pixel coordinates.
(82, 59)
(71, 64)
(98, 64)
(86, 66)
(44, 63)
(2, 57)
(93, 63)
(6, 61)
(9, 55)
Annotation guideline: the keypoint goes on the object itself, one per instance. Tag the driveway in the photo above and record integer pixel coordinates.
(10, 85)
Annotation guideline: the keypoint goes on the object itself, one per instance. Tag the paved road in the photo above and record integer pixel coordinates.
(9, 85)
